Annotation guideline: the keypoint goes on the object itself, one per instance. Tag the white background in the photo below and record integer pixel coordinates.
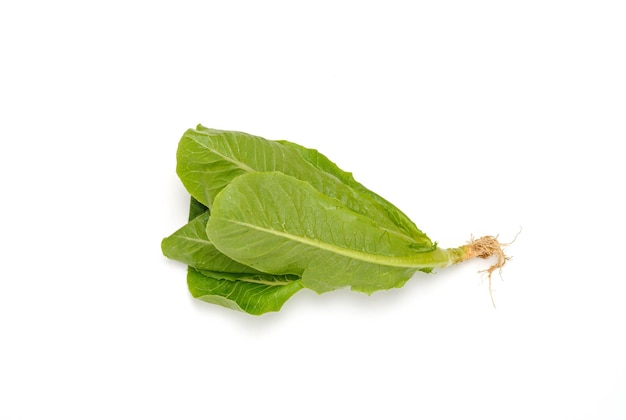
(475, 118)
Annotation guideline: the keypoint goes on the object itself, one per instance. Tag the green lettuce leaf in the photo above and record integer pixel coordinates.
(208, 160)
(321, 162)
(190, 245)
(251, 297)
(213, 277)
(278, 224)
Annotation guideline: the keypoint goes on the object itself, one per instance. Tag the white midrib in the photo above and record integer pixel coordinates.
(437, 258)
(198, 240)
(266, 282)
(235, 162)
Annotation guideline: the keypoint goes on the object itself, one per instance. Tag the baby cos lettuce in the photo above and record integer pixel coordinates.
(269, 218)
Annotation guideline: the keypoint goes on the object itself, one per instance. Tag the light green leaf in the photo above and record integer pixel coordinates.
(278, 224)
(208, 160)
(190, 245)
(217, 278)
(321, 162)
(251, 297)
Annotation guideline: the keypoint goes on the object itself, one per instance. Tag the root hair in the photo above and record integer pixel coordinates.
(487, 247)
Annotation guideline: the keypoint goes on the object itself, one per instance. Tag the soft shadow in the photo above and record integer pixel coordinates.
(307, 304)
